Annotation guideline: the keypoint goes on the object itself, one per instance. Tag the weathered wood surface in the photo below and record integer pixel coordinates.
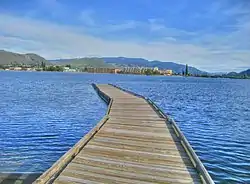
(135, 145)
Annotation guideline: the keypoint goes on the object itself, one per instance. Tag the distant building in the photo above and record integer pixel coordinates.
(138, 70)
(66, 68)
(132, 70)
(17, 68)
(155, 69)
(118, 70)
(167, 72)
(30, 69)
(102, 70)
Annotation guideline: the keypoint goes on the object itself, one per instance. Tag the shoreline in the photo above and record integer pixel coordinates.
(212, 77)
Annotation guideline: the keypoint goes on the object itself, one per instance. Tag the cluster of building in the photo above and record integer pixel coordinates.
(65, 69)
(102, 70)
(166, 72)
(139, 70)
(20, 69)
(68, 69)
(145, 70)
(125, 70)
(129, 70)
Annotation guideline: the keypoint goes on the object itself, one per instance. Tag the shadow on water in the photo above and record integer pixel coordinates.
(18, 178)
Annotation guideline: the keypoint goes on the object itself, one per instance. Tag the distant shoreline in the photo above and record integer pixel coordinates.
(195, 76)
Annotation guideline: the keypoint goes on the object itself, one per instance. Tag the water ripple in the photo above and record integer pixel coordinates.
(42, 115)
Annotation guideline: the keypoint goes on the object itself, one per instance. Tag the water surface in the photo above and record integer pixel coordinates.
(43, 114)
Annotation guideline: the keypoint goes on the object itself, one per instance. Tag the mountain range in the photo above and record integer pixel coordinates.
(246, 72)
(11, 58)
(83, 62)
(240, 74)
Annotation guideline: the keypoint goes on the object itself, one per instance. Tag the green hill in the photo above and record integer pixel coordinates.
(11, 58)
(83, 62)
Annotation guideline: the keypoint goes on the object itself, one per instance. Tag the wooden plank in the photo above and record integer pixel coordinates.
(136, 121)
(133, 115)
(135, 175)
(154, 129)
(129, 112)
(140, 123)
(136, 118)
(138, 147)
(131, 108)
(142, 140)
(135, 155)
(132, 112)
(135, 133)
(100, 178)
(130, 100)
(153, 145)
(138, 160)
(146, 165)
(135, 167)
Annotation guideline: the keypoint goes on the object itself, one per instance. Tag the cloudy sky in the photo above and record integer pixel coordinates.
(213, 35)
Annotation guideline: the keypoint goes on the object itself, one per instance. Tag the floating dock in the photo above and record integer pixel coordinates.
(135, 142)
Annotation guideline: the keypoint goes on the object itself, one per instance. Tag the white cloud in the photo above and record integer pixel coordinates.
(57, 41)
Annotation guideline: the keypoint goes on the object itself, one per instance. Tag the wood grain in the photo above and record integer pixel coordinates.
(135, 145)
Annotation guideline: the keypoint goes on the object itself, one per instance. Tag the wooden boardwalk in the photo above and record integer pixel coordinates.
(134, 143)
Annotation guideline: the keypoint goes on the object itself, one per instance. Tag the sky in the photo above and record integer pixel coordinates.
(212, 35)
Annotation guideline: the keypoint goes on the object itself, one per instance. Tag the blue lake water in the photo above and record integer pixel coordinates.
(43, 114)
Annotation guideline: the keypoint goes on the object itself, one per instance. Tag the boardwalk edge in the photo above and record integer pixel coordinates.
(54, 171)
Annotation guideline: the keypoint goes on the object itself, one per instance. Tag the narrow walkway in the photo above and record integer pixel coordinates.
(133, 144)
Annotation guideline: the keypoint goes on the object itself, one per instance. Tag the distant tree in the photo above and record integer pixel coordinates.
(54, 68)
(59, 69)
(148, 72)
(156, 72)
(186, 72)
(68, 65)
(43, 65)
